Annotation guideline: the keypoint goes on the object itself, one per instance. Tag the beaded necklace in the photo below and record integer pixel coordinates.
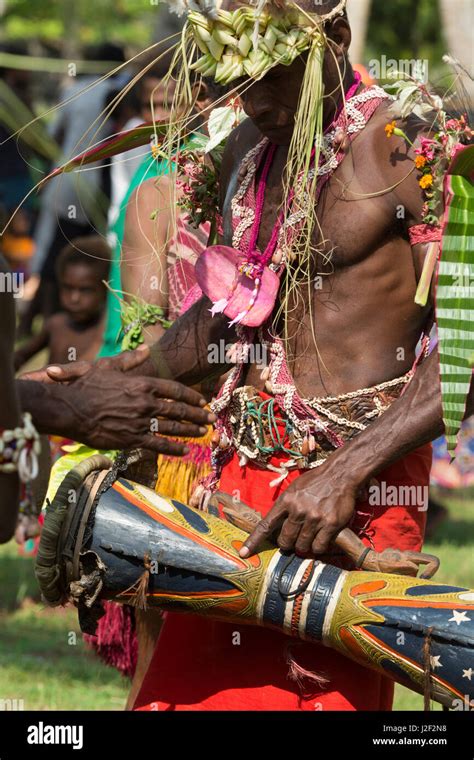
(303, 415)
(242, 281)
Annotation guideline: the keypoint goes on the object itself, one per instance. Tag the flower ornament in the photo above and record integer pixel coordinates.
(445, 161)
(426, 181)
(433, 154)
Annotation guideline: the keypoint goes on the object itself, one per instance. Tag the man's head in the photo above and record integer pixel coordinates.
(272, 101)
(82, 266)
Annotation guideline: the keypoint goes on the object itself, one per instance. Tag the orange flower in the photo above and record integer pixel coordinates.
(390, 128)
(426, 181)
(420, 161)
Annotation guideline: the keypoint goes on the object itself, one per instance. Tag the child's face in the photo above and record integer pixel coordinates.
(81, 292)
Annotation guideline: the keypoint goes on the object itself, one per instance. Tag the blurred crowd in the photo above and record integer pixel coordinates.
(58, 237)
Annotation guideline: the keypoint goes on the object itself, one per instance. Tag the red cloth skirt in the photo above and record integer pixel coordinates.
(201, 664)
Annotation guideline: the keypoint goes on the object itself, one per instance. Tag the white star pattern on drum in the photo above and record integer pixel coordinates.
(468, 673)
(459, 617)
(435, 661)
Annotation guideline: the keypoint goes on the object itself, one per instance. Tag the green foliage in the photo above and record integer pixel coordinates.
(129, 21)
(136, 315)
(455, 303)
(405, 29)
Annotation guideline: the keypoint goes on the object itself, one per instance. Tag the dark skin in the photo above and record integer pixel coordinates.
(363, 314)
(112, 405)
(370, 285)
(79, 326)
(9, 411)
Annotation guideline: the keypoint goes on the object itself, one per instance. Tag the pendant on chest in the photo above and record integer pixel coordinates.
(238, 287)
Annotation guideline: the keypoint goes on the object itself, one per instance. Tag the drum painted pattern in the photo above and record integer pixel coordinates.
(192, 559)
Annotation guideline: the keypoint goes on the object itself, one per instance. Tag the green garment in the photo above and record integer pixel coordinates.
(112, 337)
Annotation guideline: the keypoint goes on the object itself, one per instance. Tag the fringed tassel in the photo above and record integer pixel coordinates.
(139, 589)
(219, 306)
(308, 682)
(116, 641)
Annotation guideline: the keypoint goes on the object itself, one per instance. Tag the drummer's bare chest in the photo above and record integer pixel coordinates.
(349, 224)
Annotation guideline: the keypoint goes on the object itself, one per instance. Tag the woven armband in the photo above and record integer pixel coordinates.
(424, 233)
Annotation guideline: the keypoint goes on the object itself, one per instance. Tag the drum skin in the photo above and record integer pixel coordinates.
(191, 563)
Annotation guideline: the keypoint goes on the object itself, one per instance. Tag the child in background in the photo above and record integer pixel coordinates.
(76, 331)
(73, 333)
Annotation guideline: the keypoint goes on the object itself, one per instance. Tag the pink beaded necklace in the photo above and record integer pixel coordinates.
(239, 280)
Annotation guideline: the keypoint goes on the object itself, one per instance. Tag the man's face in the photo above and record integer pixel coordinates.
(271, 103)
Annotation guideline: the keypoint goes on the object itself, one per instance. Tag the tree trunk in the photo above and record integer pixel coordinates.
(458, 21)
(358, 12)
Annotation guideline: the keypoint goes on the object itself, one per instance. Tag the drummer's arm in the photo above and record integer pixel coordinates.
(193, 348)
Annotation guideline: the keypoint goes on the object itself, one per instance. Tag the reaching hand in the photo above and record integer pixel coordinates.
(109, 407)
(113, 410)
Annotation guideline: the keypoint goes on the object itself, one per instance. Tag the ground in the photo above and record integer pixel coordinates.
(45, 662)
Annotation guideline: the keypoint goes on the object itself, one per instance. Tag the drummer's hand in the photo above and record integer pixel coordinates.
(309, 514)
(107, 409)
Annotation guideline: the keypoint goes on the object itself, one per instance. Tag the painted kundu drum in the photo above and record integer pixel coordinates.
(110, 538)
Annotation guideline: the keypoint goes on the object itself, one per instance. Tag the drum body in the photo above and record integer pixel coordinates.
(126, 540)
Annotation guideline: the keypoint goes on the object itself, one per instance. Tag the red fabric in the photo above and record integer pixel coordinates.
(201, 664)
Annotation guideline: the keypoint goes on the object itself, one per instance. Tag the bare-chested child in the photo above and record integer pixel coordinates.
(76, 331)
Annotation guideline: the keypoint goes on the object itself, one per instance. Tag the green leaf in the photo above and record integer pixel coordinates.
(455, 294)
(120, 143)
(221, 123)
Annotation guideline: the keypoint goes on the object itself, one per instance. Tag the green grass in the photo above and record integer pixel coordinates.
(43, 658)
(45, 662)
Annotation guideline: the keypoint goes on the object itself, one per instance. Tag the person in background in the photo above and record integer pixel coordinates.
(73, 205)
(145, 101)
(16, 178)
(76, 331)
(152, 103)
(450, 477)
